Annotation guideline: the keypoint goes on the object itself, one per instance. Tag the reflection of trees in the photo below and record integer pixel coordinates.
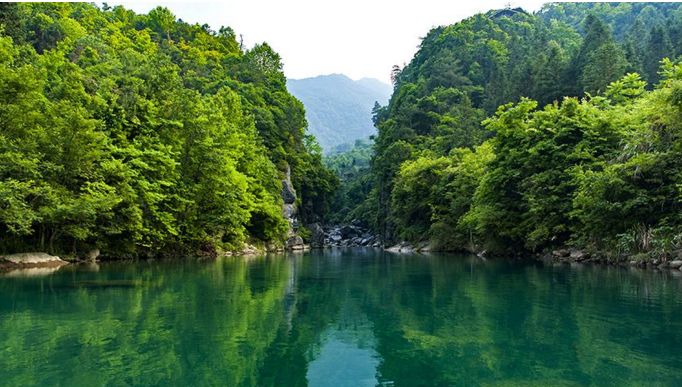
(201, 324)
(465, 321)
(431, 320)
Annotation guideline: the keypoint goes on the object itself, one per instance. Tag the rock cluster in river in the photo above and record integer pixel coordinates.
(350, 235)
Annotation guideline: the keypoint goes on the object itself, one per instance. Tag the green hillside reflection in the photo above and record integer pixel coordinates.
(355, 317)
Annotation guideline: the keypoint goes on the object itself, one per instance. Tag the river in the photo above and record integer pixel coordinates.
(356, 317)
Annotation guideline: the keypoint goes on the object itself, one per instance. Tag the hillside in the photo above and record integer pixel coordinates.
(144, 135)
(513, 132)
(338, 109)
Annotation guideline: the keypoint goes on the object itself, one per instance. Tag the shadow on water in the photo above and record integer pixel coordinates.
(341, 317)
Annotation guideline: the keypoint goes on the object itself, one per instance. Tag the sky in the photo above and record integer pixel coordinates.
(358, 38)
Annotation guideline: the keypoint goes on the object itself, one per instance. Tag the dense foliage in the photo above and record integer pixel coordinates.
(140, 134)
(581, 147)
(351, 163)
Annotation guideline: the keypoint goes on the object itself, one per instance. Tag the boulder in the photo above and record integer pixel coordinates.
(317, 234)
(561, 253)
(676, 264)
(33, 259)
(249, 250)
(92, 255)
(402, 247)
(349, 232)
(294, 243)
(578, 255)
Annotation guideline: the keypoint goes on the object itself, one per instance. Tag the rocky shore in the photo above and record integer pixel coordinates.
(350, 235)
(644, 262)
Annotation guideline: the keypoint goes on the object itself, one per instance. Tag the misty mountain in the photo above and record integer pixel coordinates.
(339, 109)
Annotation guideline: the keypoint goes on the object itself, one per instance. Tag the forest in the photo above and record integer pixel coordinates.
(512, 132)
(509, 132)
(143, 135)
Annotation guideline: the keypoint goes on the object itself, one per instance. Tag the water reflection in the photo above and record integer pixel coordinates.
(353, 317)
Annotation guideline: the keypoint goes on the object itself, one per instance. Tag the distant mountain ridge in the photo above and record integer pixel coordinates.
(339, 109)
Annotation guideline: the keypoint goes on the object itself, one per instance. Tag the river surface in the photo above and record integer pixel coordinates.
(341, 318)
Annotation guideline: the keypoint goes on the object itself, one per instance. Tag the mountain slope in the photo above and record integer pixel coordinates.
(339, 110)
(542, 171)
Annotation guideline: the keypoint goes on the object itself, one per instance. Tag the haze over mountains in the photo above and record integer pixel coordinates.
(339, 109)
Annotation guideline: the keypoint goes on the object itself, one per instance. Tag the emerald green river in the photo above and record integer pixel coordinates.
(340, 318)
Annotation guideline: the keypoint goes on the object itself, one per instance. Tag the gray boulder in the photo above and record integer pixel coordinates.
(294, 243)
(676, 264)
(578, 255)
(317, 234)
(348, 232)
(32, 259)
(562, 253)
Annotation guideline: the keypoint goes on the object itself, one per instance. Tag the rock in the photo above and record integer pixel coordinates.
(317, 234)
(402, 247)
(249, 250)
(294, 243)
(336, 237)
(578, 255)
(288, 191)
(289, 211)
(562, 253)
(394, 249)
(92, 255)
(33, 259)
(349, 232)
(676, 264)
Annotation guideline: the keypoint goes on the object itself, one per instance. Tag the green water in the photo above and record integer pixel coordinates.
(343, 318)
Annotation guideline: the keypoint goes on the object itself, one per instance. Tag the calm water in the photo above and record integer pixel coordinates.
(343, 318)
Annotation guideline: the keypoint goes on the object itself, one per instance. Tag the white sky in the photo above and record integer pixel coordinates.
(358, 38)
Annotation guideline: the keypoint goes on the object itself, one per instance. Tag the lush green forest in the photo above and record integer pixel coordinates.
(507, 132)
(351, 163)
(144, 135)
(514, 132)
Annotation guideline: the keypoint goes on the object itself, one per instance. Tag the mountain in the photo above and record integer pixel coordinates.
(511, 132)
(339, 109)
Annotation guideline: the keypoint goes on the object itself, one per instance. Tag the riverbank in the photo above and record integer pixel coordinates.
(564, 255)
(642, 261)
